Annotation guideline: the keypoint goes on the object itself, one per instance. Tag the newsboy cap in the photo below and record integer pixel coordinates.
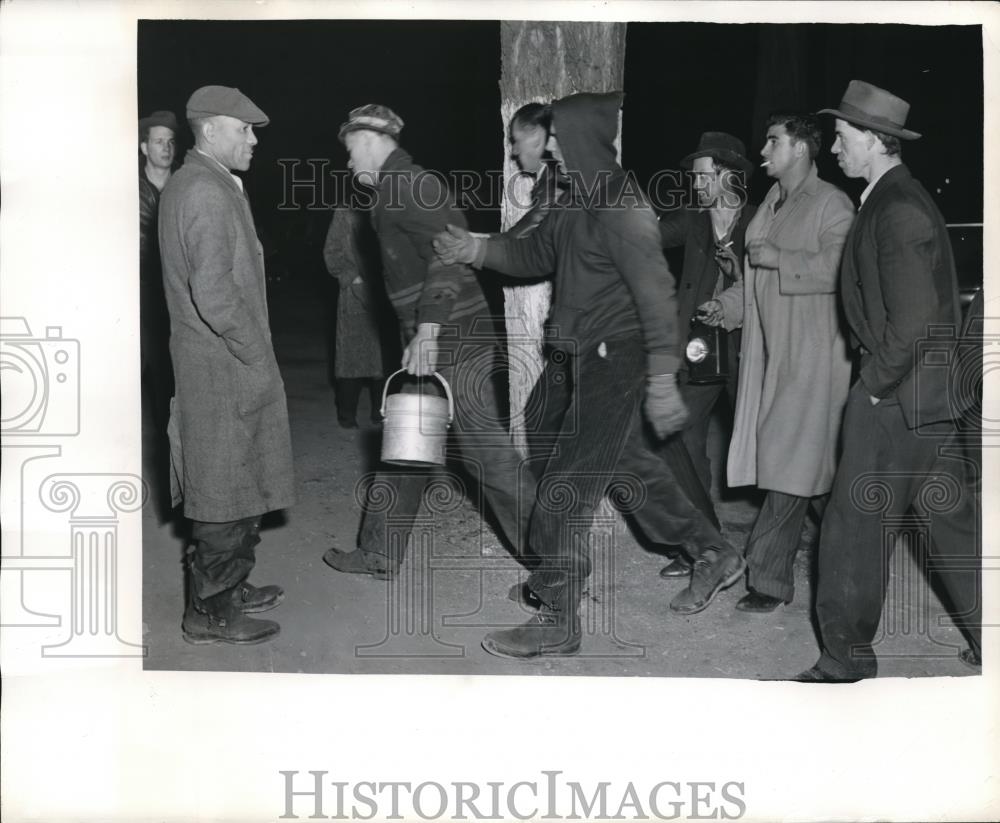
(372, 117)
(870, 107)
(209, 101)
(158, 118)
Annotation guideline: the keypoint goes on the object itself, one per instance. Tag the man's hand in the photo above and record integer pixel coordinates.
(455, 245)
(663, 406)
(763, 254)
(420, 357)
(728, 261)
(710, 313)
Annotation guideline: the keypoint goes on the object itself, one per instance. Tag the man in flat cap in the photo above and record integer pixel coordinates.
(230, 444)
(899, 293)
(446, 327)
(157, 147)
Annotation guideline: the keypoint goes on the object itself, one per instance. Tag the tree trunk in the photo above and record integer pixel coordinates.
(542, 61)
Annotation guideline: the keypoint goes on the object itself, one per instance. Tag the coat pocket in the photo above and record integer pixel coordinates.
(258, 386)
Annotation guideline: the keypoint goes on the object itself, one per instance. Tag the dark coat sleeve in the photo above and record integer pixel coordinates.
(633, 241)
(674, 228)
(422, 215)
(905, 240)
(531, 256)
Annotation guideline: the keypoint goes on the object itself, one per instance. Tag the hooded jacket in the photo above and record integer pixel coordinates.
(611, 279)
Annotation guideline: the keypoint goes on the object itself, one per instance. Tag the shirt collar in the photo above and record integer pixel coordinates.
(871, 185)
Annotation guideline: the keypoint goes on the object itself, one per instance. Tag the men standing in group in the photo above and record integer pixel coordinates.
(712, 232)
(158, 145)
(230, 444)
(614, 300)
(794, 370)
(897, 283)
(444, 320)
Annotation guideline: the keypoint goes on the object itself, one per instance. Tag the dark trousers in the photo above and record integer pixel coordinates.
(547, 426)
(603, 449)
(774, 541)
(220, 557)
(484, 447)
(886, 472)
(348, 394)
(700, 401)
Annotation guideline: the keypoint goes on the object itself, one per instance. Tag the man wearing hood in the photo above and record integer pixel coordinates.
(613, 302)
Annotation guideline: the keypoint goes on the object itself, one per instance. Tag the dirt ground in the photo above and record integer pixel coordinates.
(453, 588)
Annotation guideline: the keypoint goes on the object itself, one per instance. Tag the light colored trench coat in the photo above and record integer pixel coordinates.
(794, 368)
(230, 444)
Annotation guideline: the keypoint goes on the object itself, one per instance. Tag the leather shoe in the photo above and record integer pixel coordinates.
(971, 658)
(250, 598)
(234, 627)
(521, 593)
(717, 568)
(818, 675)
(759, 603)
(679, 567)
(549, 633)
(354, 563)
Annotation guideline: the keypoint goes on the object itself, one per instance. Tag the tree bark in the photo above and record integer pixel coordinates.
(542, 61)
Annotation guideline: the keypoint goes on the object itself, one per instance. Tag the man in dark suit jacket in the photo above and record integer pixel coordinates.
(900, 297)
(712, 234)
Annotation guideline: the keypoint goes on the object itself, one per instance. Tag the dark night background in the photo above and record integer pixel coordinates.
(680, 79)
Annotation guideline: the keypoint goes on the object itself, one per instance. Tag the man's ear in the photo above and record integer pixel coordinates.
(144, 148)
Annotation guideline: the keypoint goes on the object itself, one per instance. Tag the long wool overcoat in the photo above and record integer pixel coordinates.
(230, 443)
(794, 368)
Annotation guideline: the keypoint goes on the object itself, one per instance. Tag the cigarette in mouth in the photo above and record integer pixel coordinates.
(765, 163)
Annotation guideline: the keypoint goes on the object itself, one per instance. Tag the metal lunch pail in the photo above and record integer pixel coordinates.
(415, 426)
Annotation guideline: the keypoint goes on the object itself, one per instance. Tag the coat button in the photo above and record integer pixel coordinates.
(858, 282)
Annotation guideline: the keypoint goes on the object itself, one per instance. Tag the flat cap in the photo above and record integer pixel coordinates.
(372, 117)
(209, 101)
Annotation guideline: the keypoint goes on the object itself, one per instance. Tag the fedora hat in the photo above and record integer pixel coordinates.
(722, 147)
(873, 108)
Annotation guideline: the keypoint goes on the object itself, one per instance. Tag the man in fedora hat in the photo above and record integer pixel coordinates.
(899, 291)
(157, 147)
(712, 232)
(230, 443)
(446, 327)
(794, 370)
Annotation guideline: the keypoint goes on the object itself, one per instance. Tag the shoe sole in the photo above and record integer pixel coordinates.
(725, 583)
(376, 574)
(210, 639)
(554, 651)
(264, 607)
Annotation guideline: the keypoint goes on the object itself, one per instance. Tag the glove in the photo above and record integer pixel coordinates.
(455, 245)
(664, 407)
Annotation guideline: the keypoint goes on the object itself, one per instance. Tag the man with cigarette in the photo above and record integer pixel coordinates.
(794, 370)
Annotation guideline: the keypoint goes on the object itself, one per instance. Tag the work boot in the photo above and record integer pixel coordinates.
(219, 619)
(252, 598)
(550, 633)
(354, 563)
(715, 569)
